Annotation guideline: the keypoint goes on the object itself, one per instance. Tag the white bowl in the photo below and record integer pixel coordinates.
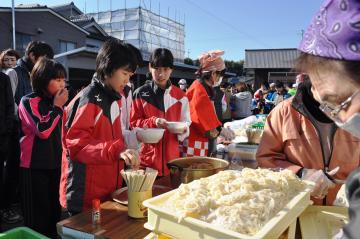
(176, 127)
(151, 135)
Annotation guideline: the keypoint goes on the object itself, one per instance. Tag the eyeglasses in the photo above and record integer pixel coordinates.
(333, 111)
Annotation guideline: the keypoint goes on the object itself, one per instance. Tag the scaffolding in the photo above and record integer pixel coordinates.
(144, 29)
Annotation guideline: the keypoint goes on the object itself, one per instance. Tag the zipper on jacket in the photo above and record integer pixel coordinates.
(162, 149)
(326, 165)
(118, 163)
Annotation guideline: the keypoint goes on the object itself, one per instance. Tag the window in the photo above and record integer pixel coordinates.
(65, 46)
(22, 40)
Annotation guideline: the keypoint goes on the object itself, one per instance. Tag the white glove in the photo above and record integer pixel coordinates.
(227, 134)
(341, 199)
(322, 182)
(131, 157)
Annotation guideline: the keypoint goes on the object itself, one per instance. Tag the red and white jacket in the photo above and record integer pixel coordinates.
(204, 119)
(149, 103)
(129, 134)
(92, 142)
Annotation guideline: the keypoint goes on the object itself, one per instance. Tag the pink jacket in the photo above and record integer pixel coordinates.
(291, 141)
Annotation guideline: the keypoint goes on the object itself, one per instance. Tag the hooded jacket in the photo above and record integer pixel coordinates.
(241, 103)
(291, 140)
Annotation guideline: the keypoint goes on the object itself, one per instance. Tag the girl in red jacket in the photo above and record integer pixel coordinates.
(94, 148)
(154, 104)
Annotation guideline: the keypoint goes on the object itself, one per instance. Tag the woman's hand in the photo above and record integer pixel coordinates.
(322, 182)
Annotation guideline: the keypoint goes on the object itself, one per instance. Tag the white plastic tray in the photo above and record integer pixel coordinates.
(161, 220)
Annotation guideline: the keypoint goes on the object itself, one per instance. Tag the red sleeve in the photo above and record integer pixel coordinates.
(83, 145)
(138, 117)
(202, 112)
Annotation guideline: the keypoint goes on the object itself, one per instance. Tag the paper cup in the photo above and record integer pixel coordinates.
(136, 209)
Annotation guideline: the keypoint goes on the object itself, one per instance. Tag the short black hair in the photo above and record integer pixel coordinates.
(137, 54)
(39, 48)
(290, 85)
(279, 84)
(115, 54)
(161, 57)
(44, 71)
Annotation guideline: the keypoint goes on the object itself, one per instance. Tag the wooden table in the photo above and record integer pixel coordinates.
(115, 222)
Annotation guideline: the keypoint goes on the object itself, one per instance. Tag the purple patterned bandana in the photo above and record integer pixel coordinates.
(334, 31)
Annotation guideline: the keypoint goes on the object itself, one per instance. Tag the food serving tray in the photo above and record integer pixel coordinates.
(161, 220)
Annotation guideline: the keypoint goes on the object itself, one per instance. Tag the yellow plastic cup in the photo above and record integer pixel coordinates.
(136, 209)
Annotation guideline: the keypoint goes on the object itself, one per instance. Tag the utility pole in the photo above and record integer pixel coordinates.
(13, 23)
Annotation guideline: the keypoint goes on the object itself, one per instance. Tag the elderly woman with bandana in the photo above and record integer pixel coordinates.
(331, 57)
(205, 127)
(316, 133)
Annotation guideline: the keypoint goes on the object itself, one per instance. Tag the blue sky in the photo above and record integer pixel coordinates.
(230, 25)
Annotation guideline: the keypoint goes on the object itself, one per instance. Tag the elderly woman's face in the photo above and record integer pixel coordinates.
(333, 86)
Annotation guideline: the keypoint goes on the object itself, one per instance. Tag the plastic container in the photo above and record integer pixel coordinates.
(246, 152)
(323, 222)
(22, 233)
(163, 221)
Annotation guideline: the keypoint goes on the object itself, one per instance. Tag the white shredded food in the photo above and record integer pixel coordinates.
(239, 201)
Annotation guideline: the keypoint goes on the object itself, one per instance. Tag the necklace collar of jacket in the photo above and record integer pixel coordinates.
(113, 94)
(305, 104)
(157, 88)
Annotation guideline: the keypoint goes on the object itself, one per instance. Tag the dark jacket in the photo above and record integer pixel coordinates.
(352, 230)
(23, 69)
(40, 133)
(92, 143)
(6, 110)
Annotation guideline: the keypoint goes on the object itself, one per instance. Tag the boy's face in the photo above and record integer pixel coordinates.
(9, 61)
(160, 75)
(119, 79)
(279, 90)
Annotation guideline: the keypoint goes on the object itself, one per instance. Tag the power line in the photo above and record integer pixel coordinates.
(229, 25)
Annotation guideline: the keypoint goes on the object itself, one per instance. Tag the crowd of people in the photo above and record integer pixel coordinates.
(63, 152)
(59, 151)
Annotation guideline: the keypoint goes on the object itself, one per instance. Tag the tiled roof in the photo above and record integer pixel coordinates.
(82, 20)
(67, 6)
(34, 5)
